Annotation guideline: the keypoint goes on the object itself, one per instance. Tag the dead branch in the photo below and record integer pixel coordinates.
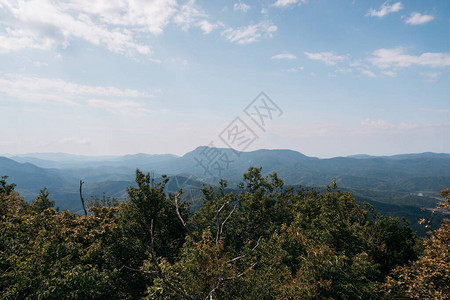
(82, 199)
(222, 207)
(222, 279)
(245, 255)
(177, 205)
(160, 272)
(220, 230)
(241, 274)
(218, 221)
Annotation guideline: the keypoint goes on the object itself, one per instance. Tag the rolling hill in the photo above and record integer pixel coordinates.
(396, 183)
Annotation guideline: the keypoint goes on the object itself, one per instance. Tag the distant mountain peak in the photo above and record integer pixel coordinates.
(199, 149)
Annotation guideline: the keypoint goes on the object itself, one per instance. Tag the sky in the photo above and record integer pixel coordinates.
(113, 77)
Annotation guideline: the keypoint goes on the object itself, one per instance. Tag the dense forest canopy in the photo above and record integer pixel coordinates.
(264, 240)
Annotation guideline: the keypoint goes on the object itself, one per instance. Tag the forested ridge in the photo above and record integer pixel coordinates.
(411, 181)
(263, 240)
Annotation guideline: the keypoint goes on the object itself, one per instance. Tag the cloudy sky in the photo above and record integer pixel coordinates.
(126, 76)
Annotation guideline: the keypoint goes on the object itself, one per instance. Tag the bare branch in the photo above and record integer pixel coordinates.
(229, 215)
(222, 207)
(160, 271)
(81, 197)
(177, 208)
(237, 258)
(222, 279)
(257, 244)
(241, 274)
(245, 255)
(223, 223)
(209, 296)
(218, 223)
(177, 198)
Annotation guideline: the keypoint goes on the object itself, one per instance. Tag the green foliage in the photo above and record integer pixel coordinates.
(42, 202)
(50, 254)
(262, 241)
(429, 276)
(6, 189)
(149, 202)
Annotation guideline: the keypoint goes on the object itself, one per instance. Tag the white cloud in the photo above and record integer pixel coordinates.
(284, 56)
(430, 76)
(241, 6)
(251, 33)
(206, 26)
(179, 62)
(356, 63)
(441, 110)
(293, 70)
(386, 58)
(344, 70)
(367, 73)
(45, 24)
(45, 90)
(115, 24)
(40, 64)
(327, 57)
(73, 140)
(417, 19)
(385, 9)
(383, 124)
(190, 15)
(16, 43)
(144, 15)
(389, 73)
(124, 107)
(284, 3)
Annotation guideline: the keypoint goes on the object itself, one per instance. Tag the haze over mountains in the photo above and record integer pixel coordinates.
(407, 179)
(398, 185)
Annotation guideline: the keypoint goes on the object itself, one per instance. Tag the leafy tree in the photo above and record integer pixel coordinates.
(42, 202)
(429, 276)
(262, 240)
(6, 188)
(51, 254)
(148, 203)
(313, 245)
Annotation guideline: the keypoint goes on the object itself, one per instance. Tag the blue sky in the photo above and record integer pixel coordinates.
(115, 77)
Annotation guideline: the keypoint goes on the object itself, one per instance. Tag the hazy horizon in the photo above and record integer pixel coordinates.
(182, 154)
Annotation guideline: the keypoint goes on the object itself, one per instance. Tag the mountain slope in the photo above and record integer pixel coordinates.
(407, 179)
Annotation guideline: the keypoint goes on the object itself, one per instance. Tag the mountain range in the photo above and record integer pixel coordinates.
(405, 181)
